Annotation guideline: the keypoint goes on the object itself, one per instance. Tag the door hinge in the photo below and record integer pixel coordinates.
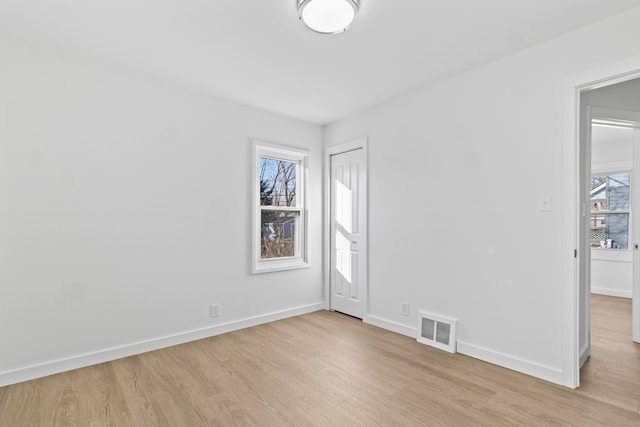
(575, 253)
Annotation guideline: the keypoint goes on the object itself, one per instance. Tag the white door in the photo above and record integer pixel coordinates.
(635, 229)
(348, 233)
(584, 243)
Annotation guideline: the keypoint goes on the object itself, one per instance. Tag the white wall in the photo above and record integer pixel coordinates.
(486, 147)
(611, 155)
(612, 273)
(125, 208)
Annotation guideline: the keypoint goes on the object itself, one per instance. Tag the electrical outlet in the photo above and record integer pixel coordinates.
(214, 310)
(405, 308)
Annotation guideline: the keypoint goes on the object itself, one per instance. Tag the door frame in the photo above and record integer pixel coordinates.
(573, 144)
(357, 144)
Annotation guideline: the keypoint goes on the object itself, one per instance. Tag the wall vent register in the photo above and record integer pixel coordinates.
(437, 331)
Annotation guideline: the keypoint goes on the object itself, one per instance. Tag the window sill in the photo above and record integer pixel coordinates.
(279, 265)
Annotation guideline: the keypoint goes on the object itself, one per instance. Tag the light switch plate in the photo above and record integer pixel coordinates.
(544, 203)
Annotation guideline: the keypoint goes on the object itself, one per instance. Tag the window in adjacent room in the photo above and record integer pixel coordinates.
(610, 211)
(279, 235)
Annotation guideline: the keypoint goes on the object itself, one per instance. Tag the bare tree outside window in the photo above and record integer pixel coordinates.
(278, 226)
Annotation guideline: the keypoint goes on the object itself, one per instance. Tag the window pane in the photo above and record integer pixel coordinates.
(278, 230)
(610, 192)
(277, 182)
(610, 231)
(618, 192)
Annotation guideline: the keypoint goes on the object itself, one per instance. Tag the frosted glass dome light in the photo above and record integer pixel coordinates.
(328, 16)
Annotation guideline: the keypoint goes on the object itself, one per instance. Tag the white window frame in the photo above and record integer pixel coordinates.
(301, 158)
(623, 167)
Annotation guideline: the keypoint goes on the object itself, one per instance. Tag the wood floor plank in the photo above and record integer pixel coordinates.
(327, 369)
(612, 373)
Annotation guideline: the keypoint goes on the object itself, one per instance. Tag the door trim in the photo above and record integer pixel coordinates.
(361, 143)
(572, 143)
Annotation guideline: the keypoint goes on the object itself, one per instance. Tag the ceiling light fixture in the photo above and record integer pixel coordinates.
(328, 16)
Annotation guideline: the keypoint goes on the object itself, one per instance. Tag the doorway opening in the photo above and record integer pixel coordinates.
(614, 143)
(577, 205)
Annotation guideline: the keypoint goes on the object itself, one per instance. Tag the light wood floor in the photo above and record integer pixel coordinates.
(327, 369)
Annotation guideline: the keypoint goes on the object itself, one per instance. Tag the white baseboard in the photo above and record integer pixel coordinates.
(612, 292)
(79, 361)
(390, 325)
(506, 361)
(525, 366)
(585, 352)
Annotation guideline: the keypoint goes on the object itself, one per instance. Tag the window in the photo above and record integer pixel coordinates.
(280, 228)
(610, 211)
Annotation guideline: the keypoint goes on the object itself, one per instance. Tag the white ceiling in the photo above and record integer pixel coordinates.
(255, 52)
